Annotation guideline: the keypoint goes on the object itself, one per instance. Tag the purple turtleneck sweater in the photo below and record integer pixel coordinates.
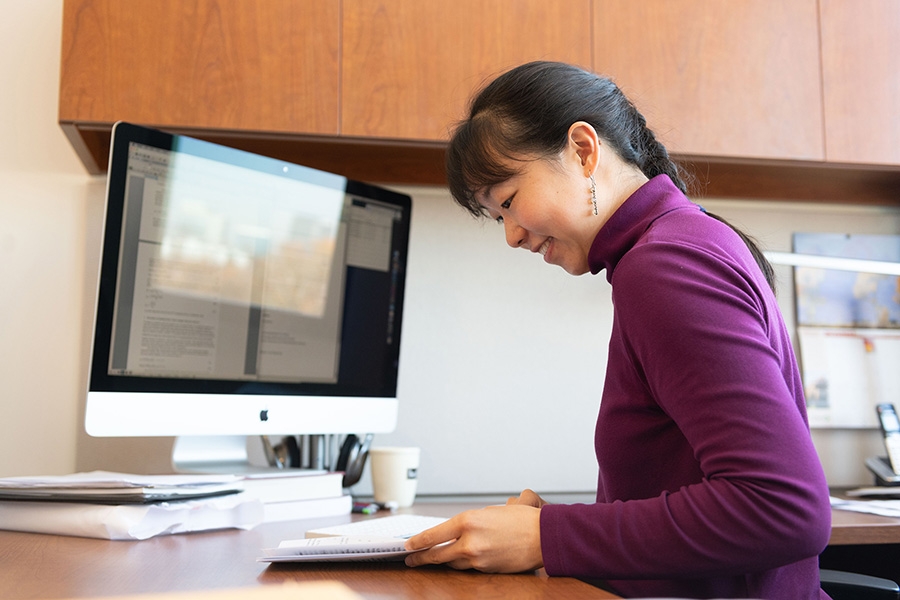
(709, 483)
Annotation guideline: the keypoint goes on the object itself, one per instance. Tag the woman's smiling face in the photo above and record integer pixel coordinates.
(546, 208)
(556, 205)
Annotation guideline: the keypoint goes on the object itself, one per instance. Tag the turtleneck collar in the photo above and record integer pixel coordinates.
(622, 231)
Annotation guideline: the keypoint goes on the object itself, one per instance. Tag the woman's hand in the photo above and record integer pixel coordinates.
(496, 539)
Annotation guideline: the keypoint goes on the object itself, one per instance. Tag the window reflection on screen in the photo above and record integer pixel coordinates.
(233, 273)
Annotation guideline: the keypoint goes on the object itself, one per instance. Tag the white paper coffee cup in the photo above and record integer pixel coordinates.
(395, 472)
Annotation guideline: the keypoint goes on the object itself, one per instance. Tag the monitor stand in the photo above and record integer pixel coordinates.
(215, 454)
(229, 454)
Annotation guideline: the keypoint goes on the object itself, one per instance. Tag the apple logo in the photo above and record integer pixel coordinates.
(264, 414)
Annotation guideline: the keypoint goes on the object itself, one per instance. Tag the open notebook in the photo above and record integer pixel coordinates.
(377, 539)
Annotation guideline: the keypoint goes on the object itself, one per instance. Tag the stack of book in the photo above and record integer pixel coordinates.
(298, 494)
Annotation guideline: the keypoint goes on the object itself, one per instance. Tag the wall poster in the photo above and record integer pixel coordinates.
(848, 329)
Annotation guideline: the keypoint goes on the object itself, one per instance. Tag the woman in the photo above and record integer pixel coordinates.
(709, 485)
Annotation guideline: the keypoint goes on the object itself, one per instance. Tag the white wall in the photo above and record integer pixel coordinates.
(502, 360)
(503, 357)
(44, 197)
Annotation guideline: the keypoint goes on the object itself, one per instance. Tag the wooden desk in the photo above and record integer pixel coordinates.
(48, 566)
(850, 528)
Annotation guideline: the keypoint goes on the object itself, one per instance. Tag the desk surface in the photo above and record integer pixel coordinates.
(848, 527)
(48, 566)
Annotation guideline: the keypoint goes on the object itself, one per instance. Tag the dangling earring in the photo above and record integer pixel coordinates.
(594, 194)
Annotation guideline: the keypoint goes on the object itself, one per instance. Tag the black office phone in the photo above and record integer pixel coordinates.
(887, 469)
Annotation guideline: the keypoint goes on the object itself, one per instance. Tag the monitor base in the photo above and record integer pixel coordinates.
(231, 454)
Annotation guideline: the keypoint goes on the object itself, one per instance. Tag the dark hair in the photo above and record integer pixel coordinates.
(527, 112)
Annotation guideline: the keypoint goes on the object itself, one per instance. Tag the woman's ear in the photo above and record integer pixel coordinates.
(585, 142)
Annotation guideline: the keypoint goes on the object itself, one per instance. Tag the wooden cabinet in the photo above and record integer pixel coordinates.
(861, 80)
(724, 78)
(224, 65)
(410, 67)
(370, 89)
(266, 76)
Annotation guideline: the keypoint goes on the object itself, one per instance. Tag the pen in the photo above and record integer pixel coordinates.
(365, 508)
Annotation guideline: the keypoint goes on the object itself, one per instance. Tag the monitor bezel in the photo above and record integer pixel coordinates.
(157, 406)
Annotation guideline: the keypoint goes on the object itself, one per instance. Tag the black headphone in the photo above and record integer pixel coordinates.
(352, 458)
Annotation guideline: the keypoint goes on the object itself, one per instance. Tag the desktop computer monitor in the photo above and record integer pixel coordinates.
(243, 295)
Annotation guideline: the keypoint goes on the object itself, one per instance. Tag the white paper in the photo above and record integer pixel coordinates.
(885, 508)
(108, 479)
(393, 526)
(131, 522)
(117, 488)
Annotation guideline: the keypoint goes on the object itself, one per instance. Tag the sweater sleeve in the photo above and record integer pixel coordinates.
(698, 333)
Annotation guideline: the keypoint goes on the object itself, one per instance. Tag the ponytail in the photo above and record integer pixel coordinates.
(655, 161)
(764, 265)
(652, 157)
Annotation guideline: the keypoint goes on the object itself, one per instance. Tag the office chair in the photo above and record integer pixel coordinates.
(841, 585)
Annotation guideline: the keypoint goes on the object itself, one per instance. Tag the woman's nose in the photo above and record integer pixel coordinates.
(515, 235)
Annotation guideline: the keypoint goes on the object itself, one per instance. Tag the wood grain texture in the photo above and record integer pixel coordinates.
(852, 528)
(723, 78)
(264, 66)
(410, 67)
(370, 89)
(861, 80)
(46, 566)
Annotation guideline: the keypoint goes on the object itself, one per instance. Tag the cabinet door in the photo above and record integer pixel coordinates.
(861, 79)
(410, 66)
(736, 78)
(225, 64)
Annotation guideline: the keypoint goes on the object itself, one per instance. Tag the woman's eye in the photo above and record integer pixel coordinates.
(505, 206)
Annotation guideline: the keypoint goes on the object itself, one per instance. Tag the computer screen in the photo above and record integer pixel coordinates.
(243, 295)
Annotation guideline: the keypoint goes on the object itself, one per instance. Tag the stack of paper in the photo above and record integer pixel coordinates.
(119, 506)
(102, 487)
(124, 506)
